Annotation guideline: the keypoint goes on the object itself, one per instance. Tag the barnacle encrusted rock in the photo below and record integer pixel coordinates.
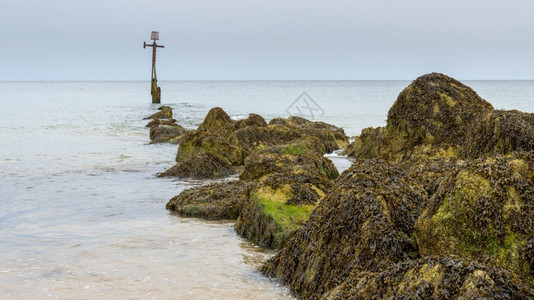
(365, 223)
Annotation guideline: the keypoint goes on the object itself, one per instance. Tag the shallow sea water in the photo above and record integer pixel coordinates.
(82, 214)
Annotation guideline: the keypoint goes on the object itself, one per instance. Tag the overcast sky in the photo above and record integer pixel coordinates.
(259, 39)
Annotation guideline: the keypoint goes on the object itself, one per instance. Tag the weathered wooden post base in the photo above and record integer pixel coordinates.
(155, 90)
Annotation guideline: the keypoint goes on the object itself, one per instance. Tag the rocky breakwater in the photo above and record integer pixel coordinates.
(438, 205)
(284, 174)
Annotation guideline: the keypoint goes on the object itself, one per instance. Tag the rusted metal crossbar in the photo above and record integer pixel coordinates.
(155, 90)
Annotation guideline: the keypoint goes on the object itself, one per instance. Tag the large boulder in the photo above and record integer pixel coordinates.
(216, 201)
(201, 166)
(435, 277)
(438, 108)
(365, 223)
(484, 211)
(431, 117)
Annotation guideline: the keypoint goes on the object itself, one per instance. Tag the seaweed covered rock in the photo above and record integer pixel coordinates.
(165, 112)
(201, 166)
(235, 140)
(216, 120)
(195, 142)
(364, 224)
(254, 120)
(435, 277)
(501, 132)
(279, 205)
(438, 108)
(216, 201)
(164, 129)
(166, 132)
(332, 137)
(313, 164)
(430, 172)
(431, 117)
(484, 211)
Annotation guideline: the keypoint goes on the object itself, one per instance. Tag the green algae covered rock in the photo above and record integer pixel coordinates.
(279, 205)
(216, 201)
(196, 142)
(201, 166)
(484, 211)
(435, 277)
(365, 223)
(289, 188)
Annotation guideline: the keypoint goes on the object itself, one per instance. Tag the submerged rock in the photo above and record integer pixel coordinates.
(484, 211)
(216, 201)
(201, 166)
(365, 223)
(435, 277)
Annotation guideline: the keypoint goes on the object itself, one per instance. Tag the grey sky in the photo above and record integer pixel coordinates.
(258, 39)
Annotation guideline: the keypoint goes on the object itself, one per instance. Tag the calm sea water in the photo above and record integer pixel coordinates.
(82, 214)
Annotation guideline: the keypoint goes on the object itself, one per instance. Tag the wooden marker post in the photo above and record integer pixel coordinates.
(155, 90)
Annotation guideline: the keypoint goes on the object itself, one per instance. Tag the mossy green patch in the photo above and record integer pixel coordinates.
(287, 217)
(296, 149)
